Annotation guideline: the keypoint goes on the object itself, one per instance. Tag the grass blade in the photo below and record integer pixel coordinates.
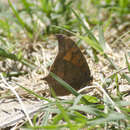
(4, 54)
(22, 23)
(66, 85)
(90, 35)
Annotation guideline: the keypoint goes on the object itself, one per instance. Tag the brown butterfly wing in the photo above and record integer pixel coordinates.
(70, 65)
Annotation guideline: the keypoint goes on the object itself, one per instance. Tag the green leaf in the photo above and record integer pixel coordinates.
(91, 99)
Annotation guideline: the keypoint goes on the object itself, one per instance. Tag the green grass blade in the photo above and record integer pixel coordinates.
(63, 112)
(27, 6)
(127, 78)
(4, 25)
(33, 93)
(112, 116)
(110, 61)
(45, 118)
(4, 54)
(22, 23)
(127, 62)
(90, 35)
(66, 85)
(56, 119)
(46, 6)
(87, 109)
(92, 43)
(101, 37)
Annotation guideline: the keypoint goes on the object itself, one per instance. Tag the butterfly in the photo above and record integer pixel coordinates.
(70, 65)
